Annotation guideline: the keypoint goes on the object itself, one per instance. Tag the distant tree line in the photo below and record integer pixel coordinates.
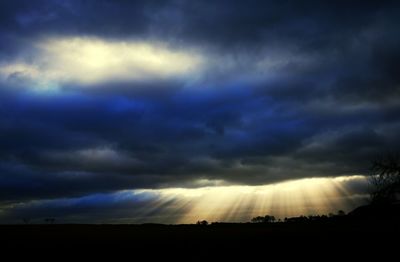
(263, 219)
(271, 219)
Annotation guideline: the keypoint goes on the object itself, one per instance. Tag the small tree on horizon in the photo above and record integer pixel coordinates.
(202, 223)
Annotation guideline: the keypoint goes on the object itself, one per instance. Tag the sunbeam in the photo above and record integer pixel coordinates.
(308, 196)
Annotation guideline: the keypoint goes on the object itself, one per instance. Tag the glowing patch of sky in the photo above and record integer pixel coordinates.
(308, 196)
(89, 61)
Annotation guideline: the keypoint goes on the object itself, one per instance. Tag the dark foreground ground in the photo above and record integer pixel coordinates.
(230, 239)
(368, 232)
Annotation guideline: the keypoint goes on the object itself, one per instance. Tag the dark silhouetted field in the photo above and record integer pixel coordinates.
(356, 232)
(194, 236)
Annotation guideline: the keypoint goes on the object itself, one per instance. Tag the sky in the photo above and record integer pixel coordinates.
(178, 111)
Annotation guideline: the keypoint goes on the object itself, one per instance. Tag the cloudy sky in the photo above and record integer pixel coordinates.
(173, 111)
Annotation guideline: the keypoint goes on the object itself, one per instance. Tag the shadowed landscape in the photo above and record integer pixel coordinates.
(359, 228)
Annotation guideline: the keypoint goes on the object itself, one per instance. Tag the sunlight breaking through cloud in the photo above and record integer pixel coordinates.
(88, 61)
(240, 203)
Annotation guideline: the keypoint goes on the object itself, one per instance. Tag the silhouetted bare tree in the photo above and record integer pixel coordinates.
(202, 223)
(385, 179)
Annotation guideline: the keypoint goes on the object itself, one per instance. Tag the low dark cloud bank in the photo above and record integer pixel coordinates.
(291, 89)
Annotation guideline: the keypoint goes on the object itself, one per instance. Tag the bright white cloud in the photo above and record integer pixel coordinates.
(89, 61)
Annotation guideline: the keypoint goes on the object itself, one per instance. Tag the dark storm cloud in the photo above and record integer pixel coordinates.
(290, 90)
(119, 207)
(311, 23)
